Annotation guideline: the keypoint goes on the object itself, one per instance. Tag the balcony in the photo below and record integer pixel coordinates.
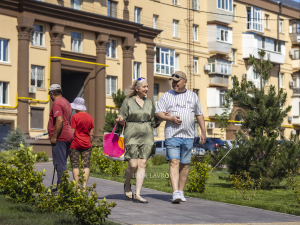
(254, 19)
(252, 43)
(219, 80)
(219, 39)
(215, 100)
(255, 26)
(296, 91)
(295, 31)
(219, 72)
(222, 11)
(295, 55)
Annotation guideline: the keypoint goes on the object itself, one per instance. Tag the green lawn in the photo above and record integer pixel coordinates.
(26, 214)
(280, 200)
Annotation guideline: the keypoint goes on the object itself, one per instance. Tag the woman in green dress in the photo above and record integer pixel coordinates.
(138, 113)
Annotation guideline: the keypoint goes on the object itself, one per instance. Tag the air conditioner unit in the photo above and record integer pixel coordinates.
(291, 83)
(290, 118)
(244, 76)
(292, 52)
(207, 67)
(32, 89)
(211, 125)
(293, 132)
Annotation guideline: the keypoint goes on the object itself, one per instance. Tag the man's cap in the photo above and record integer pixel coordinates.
(181, 75)
(54, 87)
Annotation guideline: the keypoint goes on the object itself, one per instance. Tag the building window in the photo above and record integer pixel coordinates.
(268, 44)
(175, 2)
(3, 93)
(267, 21)
(222, 97)
(225, 5)
(195, 65)
(76, 4)
(234, 12)
(220, 66)
(137, 15)
(195, 4)
(136, 70)
(195, 32)
(3, 50)
(111, 49)
(111, 85)
(155, 132)
(37, 76)
(196, 130)
(254, 19)
(38, 35)
(281, 26)
(155, 21)
(36, 118)
(196, 91)
(164, 61)
(176, 62)
(237, 118)
(224, 34)
(112, 9)
(281, 80)
(175, 28)
(76, 42)
(155, 94)
(233, 56)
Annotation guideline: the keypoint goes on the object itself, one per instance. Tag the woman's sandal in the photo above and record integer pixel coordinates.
(134, 199)
(126, 196)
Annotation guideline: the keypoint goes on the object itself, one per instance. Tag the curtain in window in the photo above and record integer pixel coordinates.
(114, 9)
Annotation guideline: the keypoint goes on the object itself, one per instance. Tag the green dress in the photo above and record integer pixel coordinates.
(138, 134)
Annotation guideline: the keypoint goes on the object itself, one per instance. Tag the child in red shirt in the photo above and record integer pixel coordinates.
(82, 125)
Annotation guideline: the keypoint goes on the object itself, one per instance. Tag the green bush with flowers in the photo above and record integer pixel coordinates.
(198, 177)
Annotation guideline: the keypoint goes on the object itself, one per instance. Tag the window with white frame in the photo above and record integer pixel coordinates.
(155, 21)
(76, 4)
(220, 66)
(137, 15)
(111, 85)
(76, 42)
(224, 34)
(136, 70)
(195, 4)
(164, 61)
(37, 76)
(254, 19)
(195, 65)
(268, 44)
(38, 35)
(195, 32)
(266, 21)
(222, 97)
(111, 48)
(176, 62)
(112, 8)
(175, 28)
(281, 26)
(225, 5)
(3, 50)
(233, 56)
(3, 93)
(176, 2)
(281, 80)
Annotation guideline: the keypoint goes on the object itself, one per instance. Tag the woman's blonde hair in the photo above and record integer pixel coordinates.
(131, 90)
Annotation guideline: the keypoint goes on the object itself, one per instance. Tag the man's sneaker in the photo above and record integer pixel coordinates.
(183, 199)
(176, 197)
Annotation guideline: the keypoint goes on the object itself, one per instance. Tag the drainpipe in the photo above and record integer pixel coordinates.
(280, 10)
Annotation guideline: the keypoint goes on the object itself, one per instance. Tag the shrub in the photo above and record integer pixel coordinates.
(159, 159)
(19, 181)
(198, 177)
(41, 157)
(7, 155)
(294, 182)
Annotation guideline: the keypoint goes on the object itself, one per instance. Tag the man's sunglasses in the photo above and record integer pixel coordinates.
(177, 76)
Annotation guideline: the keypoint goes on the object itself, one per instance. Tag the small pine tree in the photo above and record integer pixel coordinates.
(259, 153)
(14, 139)
(118, 98)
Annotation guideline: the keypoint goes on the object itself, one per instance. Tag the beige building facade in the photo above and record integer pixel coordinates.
(69, 42)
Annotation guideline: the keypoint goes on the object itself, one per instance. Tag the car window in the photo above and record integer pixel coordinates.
(158, 144)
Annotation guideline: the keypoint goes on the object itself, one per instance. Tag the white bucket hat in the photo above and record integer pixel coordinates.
(78, 104)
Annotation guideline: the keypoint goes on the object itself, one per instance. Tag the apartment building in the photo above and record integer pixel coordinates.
(209, 40)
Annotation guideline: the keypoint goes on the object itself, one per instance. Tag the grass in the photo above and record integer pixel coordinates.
(26, 214)
(279, 199)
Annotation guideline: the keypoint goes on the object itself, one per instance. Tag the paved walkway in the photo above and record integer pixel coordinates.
(159, 210)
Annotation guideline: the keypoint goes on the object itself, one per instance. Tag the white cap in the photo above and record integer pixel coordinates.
(54, 87)
(78, 104)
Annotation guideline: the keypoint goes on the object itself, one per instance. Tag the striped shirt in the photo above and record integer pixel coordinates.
(185, 105)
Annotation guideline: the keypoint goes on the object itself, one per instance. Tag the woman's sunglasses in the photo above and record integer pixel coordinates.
(141, 78)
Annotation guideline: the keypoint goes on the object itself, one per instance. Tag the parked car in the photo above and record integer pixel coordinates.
(160, 147)
(212, 144)
(198, 149)
(230, 143)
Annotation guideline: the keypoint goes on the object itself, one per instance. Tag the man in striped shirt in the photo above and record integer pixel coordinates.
(183, 105)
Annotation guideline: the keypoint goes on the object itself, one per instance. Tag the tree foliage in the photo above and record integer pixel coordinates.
(118, 98)
(14, 139)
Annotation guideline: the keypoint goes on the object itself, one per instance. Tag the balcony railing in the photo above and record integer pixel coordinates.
(218, 79)
(251, 25)
(296, 91)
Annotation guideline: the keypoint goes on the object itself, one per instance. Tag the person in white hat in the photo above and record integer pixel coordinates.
(82, 125)
(59, 130)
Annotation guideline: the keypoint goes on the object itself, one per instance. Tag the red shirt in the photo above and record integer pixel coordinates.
(61, 107)
(82, 123)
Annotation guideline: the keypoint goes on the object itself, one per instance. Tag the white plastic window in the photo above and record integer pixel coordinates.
(3, 50)
(175, 28)
(3, 93)
(137, 15)
(164, 61)
(76, 4)
(37, 76)
(38, 35)
(225, 5)
(76, 42)
(111, 85)
(136, 70)
(195, 32)
(111, 49)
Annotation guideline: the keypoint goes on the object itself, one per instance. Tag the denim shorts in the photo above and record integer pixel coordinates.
(179, 148)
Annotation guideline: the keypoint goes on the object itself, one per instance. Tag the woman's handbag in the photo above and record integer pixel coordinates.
(113, 145)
